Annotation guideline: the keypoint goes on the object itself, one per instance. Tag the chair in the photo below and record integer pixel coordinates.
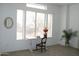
(42, 44)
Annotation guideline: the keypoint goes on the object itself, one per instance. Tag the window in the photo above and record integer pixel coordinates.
(50, 23)
(30, 24)
(37, 6)
(40, 24)
(20, 24)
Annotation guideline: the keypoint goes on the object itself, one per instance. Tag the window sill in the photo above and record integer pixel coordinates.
(34, 38)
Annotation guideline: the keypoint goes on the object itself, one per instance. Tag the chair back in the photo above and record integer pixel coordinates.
(44, 39)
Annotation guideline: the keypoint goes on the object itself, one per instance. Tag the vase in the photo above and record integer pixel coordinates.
(45, 30)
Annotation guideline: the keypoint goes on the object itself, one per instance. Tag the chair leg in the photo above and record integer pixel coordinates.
(36, 48)
(41, 49)
(45, 48)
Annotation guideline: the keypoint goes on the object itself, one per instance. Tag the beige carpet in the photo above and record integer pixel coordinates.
(56, 50)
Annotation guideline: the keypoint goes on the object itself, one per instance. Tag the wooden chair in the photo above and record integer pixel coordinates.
(42, 44)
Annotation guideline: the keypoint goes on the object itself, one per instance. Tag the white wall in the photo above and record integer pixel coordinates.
(70, 19)
(8, 36)
(74, 23)
(8, 40)
(64, 21)
(64, 17)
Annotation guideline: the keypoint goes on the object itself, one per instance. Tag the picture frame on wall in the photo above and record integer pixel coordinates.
(8, 22)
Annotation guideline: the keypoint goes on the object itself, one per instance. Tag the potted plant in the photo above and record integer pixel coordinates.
(68, 34)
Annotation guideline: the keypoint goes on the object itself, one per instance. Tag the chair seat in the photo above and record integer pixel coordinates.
(41, 45)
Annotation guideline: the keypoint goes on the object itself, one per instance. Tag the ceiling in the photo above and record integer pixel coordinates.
(58, 4)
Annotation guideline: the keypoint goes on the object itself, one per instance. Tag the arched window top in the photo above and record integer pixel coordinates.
(37, 6)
